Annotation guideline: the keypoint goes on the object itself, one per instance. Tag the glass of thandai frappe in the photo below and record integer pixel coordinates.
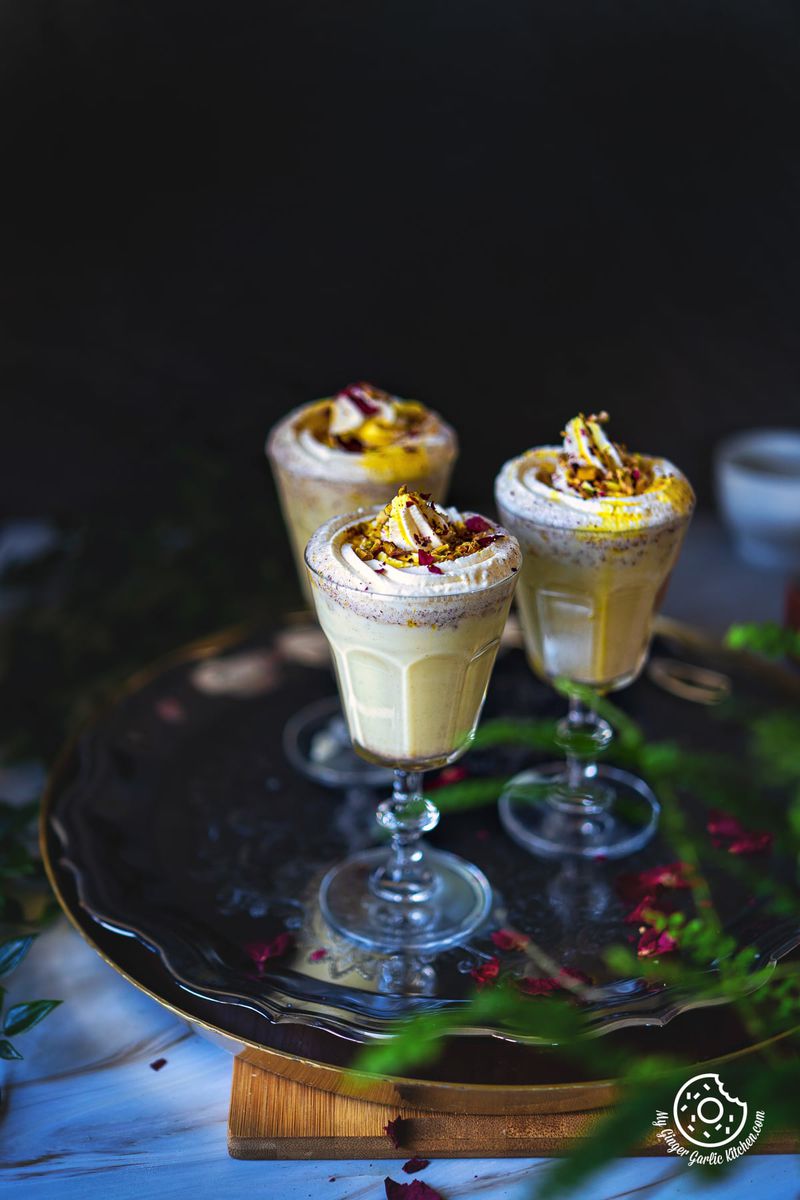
(333, 456)
(600, 529)
(351, 451)
(412, 598)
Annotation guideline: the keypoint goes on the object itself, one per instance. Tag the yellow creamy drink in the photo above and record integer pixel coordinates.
(352, 451)
(412, 599)
(600, 529)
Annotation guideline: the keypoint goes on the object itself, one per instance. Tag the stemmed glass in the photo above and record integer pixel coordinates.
(586, 602)
(315, 738)
(412, 672)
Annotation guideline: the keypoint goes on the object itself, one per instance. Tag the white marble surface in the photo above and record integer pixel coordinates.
(84, 1115)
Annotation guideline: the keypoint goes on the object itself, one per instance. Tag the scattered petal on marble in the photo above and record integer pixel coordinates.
(416, 1190)
(416, 1164)
(158, 1064)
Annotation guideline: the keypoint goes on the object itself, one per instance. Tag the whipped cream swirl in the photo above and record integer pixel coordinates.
(592, 483)
(362, 433)
(413, 547)
(586, 446)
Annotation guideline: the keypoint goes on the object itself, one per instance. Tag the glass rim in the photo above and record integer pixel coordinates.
(391, 597)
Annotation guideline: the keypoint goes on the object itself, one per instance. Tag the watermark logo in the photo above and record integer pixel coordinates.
(706, 1115)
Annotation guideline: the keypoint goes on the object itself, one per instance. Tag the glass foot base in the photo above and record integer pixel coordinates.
(317, 744)
(459, 903)
(536, 812)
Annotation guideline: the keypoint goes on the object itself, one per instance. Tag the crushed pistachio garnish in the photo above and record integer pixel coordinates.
(412, 532)
(592, 466)
(363, 417)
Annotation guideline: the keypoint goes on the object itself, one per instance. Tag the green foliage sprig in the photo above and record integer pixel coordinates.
(21, 880)
(765, 637)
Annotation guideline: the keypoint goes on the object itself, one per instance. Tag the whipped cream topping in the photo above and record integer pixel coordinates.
(593, 483)
(358, 404)
(362, 433)
(587, 452)
(361, 418)
(413, 547)
(413, 522)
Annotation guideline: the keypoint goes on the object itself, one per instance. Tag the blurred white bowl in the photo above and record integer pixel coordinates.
(758, 492)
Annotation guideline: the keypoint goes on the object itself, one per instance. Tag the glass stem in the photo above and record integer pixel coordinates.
(583, 735)
(404, 877)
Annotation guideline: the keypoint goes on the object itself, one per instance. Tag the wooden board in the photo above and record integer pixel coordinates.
(273, 1117)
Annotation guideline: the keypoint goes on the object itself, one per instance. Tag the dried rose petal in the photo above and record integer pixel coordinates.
(649, 905)
(361, 395)
(416, 1190)
(261, 952)
(652, 943)
(477, 524)
(392, 1131)
(486, 972)
(436, 570)
(487, 541)
(416, 1164)
(751, 843)
(158, 1064)
(729, 834)
(509, 939)
(722, 824)
(633, 886)
(537, 987)
(576, 976)
(317, 955)
(553, 983)
(424, 558)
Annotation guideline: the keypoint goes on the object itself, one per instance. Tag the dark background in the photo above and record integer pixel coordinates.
(509, 210)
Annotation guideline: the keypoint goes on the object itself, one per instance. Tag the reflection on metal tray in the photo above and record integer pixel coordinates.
(185, 827)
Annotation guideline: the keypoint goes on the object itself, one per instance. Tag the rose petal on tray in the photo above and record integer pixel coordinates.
(728, 833)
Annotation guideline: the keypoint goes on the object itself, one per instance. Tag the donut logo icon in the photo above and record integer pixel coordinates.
(705, 1114)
